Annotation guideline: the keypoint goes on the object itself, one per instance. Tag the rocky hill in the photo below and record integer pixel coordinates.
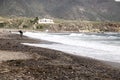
(65, 9)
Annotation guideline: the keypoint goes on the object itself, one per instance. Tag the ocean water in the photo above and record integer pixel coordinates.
(101, 46)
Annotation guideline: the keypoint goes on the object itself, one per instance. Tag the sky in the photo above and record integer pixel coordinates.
(117, 0)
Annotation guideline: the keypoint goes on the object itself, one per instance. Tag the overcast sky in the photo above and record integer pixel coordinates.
(117, 0)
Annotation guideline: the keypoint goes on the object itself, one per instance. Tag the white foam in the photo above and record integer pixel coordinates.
(65, 40)
(94, 36)
(81, 51)
(78, 47)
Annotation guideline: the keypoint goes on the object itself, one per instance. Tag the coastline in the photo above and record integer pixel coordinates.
(47, 64)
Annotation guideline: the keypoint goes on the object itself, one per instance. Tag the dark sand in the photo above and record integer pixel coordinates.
(46, 64)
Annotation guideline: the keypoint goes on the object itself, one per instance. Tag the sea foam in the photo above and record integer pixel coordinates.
(78, 46)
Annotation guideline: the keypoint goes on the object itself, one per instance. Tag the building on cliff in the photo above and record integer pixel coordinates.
(45, 21)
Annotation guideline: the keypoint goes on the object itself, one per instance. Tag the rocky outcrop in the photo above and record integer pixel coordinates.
(85, 27)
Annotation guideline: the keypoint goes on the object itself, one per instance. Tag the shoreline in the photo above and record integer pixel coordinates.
(50, 64)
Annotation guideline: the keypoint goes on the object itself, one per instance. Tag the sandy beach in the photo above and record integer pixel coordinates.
(20, 62)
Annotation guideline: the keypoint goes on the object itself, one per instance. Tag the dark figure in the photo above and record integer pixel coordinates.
(21, 33)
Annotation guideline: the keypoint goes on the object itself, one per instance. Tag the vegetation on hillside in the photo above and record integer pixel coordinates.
(60, 25)
(93, 10)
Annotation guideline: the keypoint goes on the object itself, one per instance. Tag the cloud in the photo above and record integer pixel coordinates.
(117, 0)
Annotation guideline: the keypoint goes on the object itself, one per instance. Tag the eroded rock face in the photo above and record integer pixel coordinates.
(85, 27)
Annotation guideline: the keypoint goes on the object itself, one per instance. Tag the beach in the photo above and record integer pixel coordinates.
(22, 62)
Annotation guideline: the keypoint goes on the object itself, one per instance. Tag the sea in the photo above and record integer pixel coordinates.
(100, 46)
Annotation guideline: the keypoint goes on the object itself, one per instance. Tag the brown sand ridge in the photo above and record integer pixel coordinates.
(20, 62)
(10, 55)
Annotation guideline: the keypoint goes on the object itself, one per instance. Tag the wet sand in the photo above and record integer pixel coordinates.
(47, 64)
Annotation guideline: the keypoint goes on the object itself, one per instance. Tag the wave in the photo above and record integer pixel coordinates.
(96, 36)
(78, 47)
(73, 42)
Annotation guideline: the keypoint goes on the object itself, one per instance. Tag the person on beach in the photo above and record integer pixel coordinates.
(21, 33)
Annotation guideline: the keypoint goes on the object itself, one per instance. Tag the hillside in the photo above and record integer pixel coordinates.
(65, 9)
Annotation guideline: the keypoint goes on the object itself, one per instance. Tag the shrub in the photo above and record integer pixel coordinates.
(25, 26)
(39, 27)
(2, 25)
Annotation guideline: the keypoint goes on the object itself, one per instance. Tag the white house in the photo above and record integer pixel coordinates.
(45, 21)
